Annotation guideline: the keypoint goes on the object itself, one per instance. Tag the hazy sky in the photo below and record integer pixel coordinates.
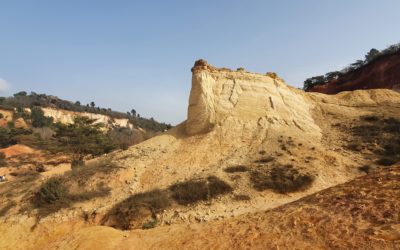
(138, 54)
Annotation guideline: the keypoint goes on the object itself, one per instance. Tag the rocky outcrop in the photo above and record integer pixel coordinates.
(383, 73)
(20, 123)
(66, 116)
(221, 94)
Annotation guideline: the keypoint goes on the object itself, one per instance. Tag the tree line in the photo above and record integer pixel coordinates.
(370, 57)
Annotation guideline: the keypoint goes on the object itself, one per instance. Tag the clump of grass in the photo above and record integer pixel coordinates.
(355, 146)
(281, 179)
(150, 224)
(365, 169)
(83, 173)
(236, 169)
(241, 197)
(188, 192)
(265, 159)
(136, 207)
(3, 162)
(386, 161)
(7, 207)
(54, 195)
(370, 118)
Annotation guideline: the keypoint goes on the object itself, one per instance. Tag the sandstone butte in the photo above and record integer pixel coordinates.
(235, 118)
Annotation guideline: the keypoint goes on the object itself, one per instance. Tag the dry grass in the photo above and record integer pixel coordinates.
(236, 169)
(55, 193)
(265, 159)
(281, 179)
(126, 214)
(188, 192)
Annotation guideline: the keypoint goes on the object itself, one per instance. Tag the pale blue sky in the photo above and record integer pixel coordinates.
(138, 54)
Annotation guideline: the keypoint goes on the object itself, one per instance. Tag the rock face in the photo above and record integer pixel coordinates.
(66, 116)
(219, 95)
(383, 73)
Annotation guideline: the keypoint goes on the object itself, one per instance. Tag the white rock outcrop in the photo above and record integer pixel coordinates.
(219, 95)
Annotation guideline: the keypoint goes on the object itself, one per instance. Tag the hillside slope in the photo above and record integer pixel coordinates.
(360, 214)
(252, 142)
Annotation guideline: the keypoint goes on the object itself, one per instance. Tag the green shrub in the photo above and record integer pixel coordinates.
(236, 169)
(124, 214)
(38, 118)
(266, 159)
(54, 195)
(83, 137)
(281, 179)
(386, 161)
(241, 197)
(192, 191)
(365, 169)
(3, 162)
(52, 192)
(150, 224)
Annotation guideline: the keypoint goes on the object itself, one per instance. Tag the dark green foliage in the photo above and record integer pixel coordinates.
(11, 136)
(54, 195)
(23, 100)
(366, 169)
(355, 146)
(370, 118)
(38, 118)
(386, 161)
(281, 179)
(241, 197)
(6, 208)
(52, 192)
(135, 207)
(266, 159)
(236, 169)
(3, 161)
(313, 81)
(150, 224)
(22, 93)
(370, 57)
(380, 135)
(83, 137)
(192, 191)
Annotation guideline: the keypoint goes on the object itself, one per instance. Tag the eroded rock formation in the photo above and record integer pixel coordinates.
(221, 94)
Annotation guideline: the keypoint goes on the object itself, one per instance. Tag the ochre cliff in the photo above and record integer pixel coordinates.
(221, 95)
(383, 73)
(67, 116)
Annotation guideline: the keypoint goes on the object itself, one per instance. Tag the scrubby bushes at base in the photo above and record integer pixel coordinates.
(54, 194)
(192, 191)
(281, 179)
(137, 207)
(140, 210)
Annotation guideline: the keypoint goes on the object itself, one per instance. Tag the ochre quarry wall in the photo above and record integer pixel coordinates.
(221, 95)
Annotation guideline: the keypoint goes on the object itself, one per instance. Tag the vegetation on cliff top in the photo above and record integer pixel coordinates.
(370, 57)
(22, 100)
